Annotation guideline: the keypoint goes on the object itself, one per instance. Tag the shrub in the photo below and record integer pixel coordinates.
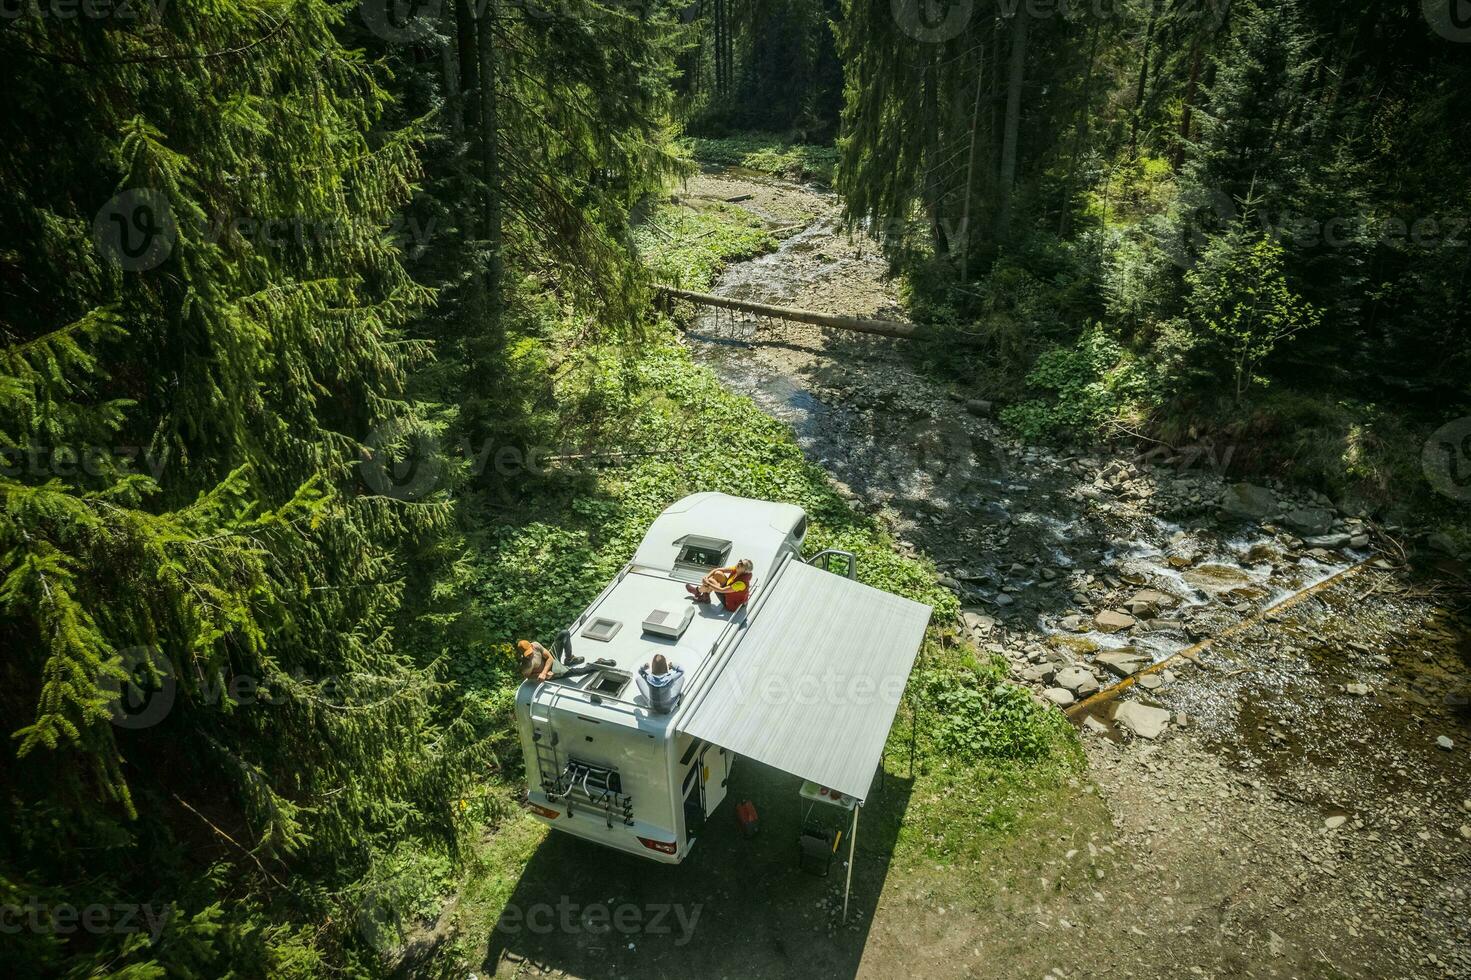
(1240, 299)
(1090, 384)
(982, 717)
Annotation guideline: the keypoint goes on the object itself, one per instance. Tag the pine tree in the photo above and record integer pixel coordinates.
(199, 264)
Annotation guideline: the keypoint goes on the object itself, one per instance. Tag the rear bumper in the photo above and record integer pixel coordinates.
(620, 837)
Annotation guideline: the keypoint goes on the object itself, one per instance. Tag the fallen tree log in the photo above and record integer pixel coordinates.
(885, 328)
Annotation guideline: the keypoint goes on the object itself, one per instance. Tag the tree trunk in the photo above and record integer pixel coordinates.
(719, 47)
(970, 170)
(1016, 78)
(468, 114)
(993, 99)
(859, 324)
(490, 163)
(1080, 128)
(932, 184)
(729, 50)
(1188, 104)
(1143, 81)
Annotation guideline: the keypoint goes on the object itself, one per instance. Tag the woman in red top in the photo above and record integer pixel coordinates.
(732, 584)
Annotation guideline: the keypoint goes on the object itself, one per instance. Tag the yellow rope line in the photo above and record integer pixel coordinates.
(1077, 711)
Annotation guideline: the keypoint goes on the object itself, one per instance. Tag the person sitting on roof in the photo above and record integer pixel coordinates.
(732, 584)
(537, 664)
(659, 681)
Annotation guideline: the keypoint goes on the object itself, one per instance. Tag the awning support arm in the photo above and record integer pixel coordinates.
(852, 841)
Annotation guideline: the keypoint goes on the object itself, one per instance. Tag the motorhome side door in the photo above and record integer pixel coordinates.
(715, 771)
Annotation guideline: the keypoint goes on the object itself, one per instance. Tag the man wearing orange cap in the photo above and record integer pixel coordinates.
(538, 664)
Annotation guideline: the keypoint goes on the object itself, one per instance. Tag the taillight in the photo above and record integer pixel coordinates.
(662, 846)
(543, 811)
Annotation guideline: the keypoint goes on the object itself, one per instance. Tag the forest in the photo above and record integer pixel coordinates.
(336, 360)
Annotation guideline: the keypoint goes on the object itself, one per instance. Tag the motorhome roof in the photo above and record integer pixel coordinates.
(636, 595)
(655, 580)
(754, 528)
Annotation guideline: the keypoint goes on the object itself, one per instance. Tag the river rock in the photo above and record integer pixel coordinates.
(1330, 542)
(1142, 720)
(1334, 822)
(1146, 603)
(1113, 620)
(978, 407)
(1248, 500)
(1038, 673)
(1121, 662)
(1151, 682)
(1077, 680)
(1443, 543)
(1445, 742)
(1059, 696)
(1309, 520)
(1357, 689)
(977, 622)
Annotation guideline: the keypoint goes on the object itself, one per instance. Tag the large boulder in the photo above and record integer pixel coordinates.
(1037, 673)
(1077, 680)
(1122, 662)
(1141, 719)
(976, 621)
(1309, 521)
(1249, 501)
(1059, 696)
(1146, 603)
(1444, 544)
(1113, 620)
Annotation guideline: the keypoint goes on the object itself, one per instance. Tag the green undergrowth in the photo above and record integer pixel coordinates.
(767, 154)
(687, 246)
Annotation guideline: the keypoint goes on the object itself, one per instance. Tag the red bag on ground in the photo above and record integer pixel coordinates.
(746, 817)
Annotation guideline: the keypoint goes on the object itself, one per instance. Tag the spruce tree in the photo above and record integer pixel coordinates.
(203, 309)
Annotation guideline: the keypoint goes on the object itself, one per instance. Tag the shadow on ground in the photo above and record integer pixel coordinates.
(737, 907)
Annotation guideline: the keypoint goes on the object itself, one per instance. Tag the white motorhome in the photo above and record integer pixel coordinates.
(603, 765)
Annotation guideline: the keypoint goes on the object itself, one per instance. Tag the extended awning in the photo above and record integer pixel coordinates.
(813, 685)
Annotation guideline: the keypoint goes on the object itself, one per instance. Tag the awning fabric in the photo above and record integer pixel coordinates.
(813, 685)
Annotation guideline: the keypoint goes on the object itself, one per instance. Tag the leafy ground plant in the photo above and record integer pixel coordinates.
(768, 154)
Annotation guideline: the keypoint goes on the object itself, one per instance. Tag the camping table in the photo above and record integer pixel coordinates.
(815, 794)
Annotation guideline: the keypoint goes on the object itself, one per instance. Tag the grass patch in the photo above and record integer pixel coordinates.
(687, 247)
(767, 154)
